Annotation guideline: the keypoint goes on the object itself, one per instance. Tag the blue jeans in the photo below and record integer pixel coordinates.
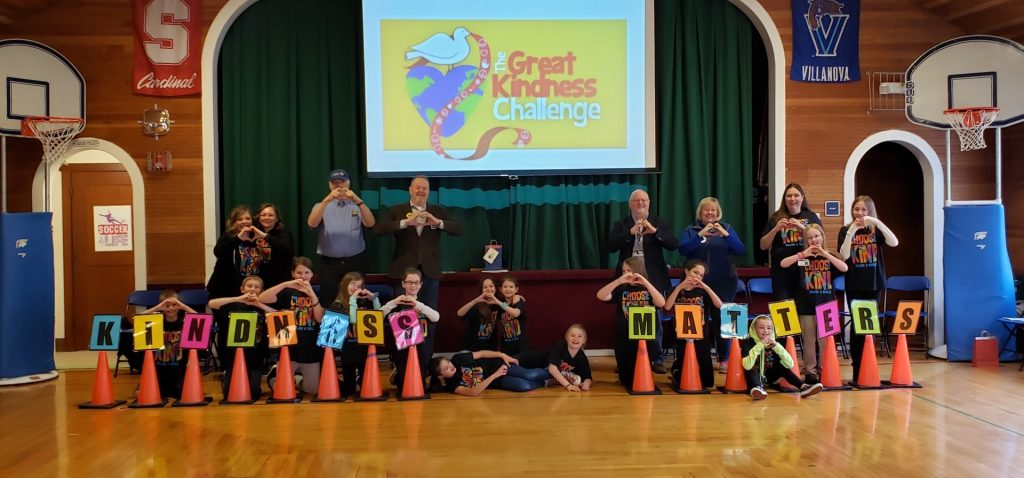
(521, 379)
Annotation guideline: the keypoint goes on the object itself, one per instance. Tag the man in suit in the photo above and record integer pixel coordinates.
(417, 227)
(644, 234)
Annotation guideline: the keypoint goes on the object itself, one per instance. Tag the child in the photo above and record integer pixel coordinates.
(297, 295)
(481, 315)
(693, 290)
(352, 296)
(860, 245)
(411, 282)
(567, 363)
(170, 366)
(255, 357)
(766, 361)
(816, 269)
(632, 289)
(513, 317)
(470, 373)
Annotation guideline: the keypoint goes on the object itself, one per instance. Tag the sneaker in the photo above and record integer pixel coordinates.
(811, 379)
(723, 368)
(808, 390)
(659, 367)
(758, 393)
(572, 378)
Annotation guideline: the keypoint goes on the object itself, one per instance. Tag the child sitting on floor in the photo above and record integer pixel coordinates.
(766, 361)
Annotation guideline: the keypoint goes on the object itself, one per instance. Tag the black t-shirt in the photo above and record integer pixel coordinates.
(787, 242)
(815, 284)
(480, 328)
(559, 356)
(513, 330)
(306, 327)
(470, 371)
(171, 353)
(866, 263)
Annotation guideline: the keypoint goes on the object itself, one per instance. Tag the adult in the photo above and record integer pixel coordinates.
(783, 236)
(277, 246)
(642, 234)
(417, 227)
(237, 253)
(339, 219)
(717, 244)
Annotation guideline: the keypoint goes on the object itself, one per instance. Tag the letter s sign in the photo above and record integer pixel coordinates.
(163, 24)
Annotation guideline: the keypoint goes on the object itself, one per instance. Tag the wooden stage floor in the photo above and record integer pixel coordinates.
(964, 422)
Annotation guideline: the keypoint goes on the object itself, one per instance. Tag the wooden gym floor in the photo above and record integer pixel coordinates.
(964, 422)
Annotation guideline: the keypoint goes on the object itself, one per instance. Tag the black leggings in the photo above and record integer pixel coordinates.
(772, 375)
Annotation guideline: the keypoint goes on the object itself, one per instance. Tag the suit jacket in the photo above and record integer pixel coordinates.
(413, 250)
(654, 259)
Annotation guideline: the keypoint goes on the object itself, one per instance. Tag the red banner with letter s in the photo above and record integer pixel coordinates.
(168, 46)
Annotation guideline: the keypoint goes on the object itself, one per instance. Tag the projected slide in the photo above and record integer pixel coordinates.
(529, 87)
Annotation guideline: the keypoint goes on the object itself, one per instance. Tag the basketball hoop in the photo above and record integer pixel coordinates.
(970, 124)
(54, 132)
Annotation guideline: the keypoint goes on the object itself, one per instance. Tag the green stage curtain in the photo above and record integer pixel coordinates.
(290, 99)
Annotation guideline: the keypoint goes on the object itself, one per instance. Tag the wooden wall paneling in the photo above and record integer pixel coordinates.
(97, 36)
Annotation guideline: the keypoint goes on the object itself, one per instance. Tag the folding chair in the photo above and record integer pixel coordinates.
(195, 298)
(125, 348)
(742, 287)
(384, 292)
(905, 284)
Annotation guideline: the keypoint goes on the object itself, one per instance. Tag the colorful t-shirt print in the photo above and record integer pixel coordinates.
(171, 354)
(486, 329)
(817, 279)
(864, 250)
(793, 236)
(249, 260)
(511, 329)
(302, 305)
(634, 296)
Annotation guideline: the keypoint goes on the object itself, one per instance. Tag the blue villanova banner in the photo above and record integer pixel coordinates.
(826, 35)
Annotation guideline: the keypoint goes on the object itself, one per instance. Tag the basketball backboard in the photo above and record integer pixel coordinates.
(37, 81)
(969, 71)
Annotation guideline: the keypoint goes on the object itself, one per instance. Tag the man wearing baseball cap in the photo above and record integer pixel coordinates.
(339, 220)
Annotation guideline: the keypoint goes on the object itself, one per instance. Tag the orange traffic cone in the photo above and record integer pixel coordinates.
(412, 387)
(370, 390)
(689, 379)
(329, 379)
(868, 377)
(831, 379)
(735, 378)
(643, 379)
(791, 349)
(192, 389)
(238, 392)
(102, 386)
(149, 387)
(901, 376)
(284, 388)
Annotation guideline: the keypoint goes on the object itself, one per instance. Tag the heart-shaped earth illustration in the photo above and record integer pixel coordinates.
(430, 91)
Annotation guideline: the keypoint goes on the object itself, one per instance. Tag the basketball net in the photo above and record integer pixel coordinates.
(55, 134)
(970, 124)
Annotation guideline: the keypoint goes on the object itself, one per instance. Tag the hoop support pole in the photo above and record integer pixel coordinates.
(949, 173)
(999, 165)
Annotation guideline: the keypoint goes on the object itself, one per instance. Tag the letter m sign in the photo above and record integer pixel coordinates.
(641, 323)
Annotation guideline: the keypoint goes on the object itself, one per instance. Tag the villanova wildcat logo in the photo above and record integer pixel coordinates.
(826, 23)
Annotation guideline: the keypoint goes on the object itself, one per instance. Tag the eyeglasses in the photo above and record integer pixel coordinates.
(411, 282)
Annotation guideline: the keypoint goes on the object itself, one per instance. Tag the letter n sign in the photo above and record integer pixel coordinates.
(196, 331)
(106, 332)
(641, 322)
